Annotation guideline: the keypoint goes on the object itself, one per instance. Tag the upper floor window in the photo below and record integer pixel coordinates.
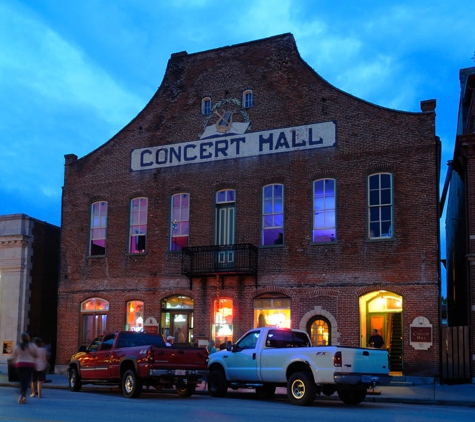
(179, 221)
(324, 228)
(97, 245)
(138, 225)
(380, 206)
(247, 99)
(273, 215)
(206, 105)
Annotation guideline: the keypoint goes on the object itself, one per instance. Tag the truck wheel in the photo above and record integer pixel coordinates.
(301, 389)
(185, 390)
(217, 384)
(74, 380)
(266, 392)
(131, 384)
(352, 396)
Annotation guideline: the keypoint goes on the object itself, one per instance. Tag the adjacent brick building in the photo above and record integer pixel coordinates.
(250, 191)
(460, 253)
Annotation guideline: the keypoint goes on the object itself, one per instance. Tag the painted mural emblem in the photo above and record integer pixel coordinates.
(222, 119)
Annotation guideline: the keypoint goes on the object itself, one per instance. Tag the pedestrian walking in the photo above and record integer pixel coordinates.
(39, 373)
(24, 356)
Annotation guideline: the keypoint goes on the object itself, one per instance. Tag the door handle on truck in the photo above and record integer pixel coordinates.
(253, 356)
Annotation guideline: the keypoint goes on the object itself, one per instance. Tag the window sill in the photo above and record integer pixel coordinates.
(324, 243)
(380, 239)
(95, 256)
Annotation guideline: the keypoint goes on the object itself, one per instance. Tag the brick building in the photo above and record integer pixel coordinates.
(460, 252)
(250, 191)
(29, 265)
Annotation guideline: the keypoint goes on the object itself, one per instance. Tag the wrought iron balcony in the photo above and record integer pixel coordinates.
(219, 259)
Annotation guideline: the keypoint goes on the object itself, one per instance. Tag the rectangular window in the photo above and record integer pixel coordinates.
(273, 215)
(179, 224)
(138, 225)
(98, 229)
(380, 206)
(324, 228)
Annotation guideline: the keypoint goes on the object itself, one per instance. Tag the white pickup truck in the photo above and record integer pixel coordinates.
(269, 357)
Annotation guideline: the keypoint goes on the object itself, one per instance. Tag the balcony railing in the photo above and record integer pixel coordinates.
(219, 259)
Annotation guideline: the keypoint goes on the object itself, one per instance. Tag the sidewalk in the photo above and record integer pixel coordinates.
(396, 392)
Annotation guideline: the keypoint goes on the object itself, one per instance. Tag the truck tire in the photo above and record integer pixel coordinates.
(301, 389)
(185, 390)
(217, 384)
(131, 384)
(352, 397)
(74, 380)
(266, 392)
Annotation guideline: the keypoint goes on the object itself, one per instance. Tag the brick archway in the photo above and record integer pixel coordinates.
(319, 311)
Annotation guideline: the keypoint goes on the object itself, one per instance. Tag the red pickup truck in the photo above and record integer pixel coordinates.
(133, 360)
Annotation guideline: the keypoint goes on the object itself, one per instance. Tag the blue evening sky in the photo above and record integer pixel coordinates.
(73, 73)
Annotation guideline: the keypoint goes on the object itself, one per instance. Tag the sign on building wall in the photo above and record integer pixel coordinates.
(420, 333)
(307, 137)
(150, 325)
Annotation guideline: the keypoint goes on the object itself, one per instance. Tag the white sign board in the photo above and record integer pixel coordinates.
(317, 135)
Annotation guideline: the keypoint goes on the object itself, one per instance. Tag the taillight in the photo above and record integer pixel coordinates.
(150, 354)
(337, 360)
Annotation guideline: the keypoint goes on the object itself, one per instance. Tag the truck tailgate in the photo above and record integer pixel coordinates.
(363, 361)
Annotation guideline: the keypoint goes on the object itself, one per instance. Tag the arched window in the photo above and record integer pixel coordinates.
(320, 331)
(134, 315)
(93, 319)
(179, 224)
(273, 215)
(324, 227)
(380, 206)
(222, 326)
(247, 98)
(97, 245)
(206, 105)
(272, 309)
(138, 225)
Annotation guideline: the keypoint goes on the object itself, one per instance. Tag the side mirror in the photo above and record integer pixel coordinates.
(82, 349)
(234, 348)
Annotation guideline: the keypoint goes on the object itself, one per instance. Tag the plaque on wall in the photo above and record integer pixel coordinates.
(7, 347)
(150, 325)
(420, 333)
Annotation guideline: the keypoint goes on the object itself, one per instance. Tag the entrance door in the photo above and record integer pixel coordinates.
(225, 223)
(180, 327)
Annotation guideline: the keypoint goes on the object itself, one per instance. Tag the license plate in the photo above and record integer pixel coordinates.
(180, 372)
(366, 378)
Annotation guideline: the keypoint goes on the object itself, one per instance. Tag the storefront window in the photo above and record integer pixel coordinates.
(272, 310)
(134, 316)
(93, 319)
(222, 326)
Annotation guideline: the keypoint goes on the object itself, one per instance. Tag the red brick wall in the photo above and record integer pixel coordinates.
(287, 92)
